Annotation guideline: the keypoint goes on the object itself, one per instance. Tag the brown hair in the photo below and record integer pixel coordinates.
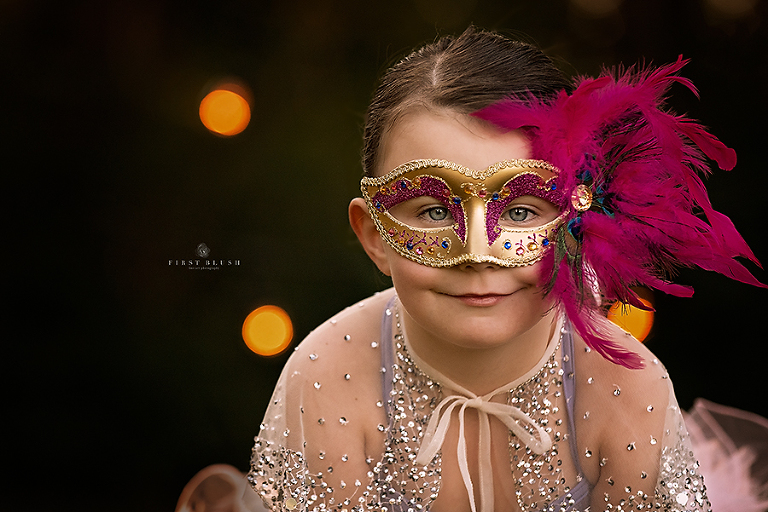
(464, 74)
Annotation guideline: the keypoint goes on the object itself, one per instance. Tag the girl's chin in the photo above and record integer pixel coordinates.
(482, 333)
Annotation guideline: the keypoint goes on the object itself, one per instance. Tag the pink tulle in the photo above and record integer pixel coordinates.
(650, 213)
(732, 448)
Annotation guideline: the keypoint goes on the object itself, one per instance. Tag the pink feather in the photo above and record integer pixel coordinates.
(644, 168)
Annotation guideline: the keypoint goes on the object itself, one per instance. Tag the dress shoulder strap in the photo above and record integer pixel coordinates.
(569, 387)
(387, 355)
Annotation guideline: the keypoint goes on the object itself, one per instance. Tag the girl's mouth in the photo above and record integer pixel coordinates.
(481, 300)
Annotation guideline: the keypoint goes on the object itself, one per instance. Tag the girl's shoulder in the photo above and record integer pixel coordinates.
(596, 372)
(342, 351)
(620, 413)
(324, 414)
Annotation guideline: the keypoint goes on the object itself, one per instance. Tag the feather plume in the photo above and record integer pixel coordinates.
(650, 213)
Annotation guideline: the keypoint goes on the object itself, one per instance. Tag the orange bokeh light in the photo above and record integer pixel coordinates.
(225, 112)
(267, 330)
(632, 319)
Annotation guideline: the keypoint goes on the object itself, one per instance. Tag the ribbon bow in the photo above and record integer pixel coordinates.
(508, 414)
(515, 419)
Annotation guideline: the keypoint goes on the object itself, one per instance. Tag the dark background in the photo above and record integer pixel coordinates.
(124, 375)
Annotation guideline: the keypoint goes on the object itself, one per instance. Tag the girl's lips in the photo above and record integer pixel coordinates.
(481, 300)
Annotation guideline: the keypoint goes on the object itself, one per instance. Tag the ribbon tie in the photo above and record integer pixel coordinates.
(515, 419)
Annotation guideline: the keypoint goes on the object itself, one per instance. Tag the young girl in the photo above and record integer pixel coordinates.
(508, 208)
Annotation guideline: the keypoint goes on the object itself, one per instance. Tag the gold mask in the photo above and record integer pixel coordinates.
(476, 200)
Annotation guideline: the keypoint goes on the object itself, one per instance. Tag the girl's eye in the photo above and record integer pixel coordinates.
(519, 214)
(423, 212)
(437, 213)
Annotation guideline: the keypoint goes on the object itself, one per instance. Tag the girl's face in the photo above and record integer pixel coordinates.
(473, 305)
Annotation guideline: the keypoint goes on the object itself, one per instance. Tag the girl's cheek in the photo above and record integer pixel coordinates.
(531, 274)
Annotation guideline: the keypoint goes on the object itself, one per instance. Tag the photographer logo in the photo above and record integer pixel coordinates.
(203, 260)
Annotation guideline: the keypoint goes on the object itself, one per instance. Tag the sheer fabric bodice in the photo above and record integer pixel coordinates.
(358, 421)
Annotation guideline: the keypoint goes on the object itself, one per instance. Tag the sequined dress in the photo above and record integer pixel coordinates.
(359, 422)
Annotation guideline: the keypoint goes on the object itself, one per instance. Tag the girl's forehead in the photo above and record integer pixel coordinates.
(447, 135)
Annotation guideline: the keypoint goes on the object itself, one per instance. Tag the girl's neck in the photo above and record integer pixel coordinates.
(482, 371)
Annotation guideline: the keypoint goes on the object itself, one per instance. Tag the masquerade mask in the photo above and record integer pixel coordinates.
(440, 213)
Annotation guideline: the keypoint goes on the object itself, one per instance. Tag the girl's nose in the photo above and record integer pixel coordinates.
(478, 265)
